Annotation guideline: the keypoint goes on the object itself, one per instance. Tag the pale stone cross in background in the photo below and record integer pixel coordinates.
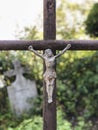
(49, 42)
(22, 91)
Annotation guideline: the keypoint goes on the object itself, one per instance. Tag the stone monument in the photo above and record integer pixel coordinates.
(21, 91)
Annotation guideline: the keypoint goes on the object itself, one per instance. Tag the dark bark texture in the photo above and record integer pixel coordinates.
(52, 44)
(49, 109)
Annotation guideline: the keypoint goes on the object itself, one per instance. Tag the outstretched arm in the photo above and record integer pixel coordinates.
(63, 51)
(31, 49)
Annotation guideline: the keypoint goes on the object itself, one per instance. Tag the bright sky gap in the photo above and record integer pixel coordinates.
(16, 14)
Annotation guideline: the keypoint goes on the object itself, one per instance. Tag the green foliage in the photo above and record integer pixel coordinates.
(70, 19)
(62, 124)
(77, 86)
(29, 33)
(7, 120)
(3, 101)
(77, 75)
(82, 125)
(68, 23)
(36, 123)
(92, 21)
(37, 103)
(77, 89)
(31, 124)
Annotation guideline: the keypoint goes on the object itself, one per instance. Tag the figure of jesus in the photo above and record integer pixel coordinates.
(50, 73)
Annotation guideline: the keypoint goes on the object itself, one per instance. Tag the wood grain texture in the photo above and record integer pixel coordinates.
(49, 109)
(45, 44)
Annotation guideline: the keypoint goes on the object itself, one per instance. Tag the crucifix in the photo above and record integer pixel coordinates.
(49, 42)
(50, 73)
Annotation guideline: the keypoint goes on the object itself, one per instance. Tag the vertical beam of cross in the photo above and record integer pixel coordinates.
(49, 110)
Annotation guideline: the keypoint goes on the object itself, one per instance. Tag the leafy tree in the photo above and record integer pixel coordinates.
(77, 86)
(70, 19)
(92, 21)
(29, 33)
(77, 79)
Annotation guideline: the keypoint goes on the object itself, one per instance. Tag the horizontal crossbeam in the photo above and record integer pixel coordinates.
(52, 44)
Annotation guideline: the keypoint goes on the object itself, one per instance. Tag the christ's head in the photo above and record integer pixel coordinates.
(49, 53)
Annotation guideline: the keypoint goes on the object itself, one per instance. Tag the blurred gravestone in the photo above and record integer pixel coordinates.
(22, 91)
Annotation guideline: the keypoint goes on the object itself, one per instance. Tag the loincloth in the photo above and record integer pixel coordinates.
(49, 75)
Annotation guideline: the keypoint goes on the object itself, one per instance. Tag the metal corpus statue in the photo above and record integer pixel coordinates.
(50, 73)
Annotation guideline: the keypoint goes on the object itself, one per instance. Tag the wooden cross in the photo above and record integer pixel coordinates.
(49, 110)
